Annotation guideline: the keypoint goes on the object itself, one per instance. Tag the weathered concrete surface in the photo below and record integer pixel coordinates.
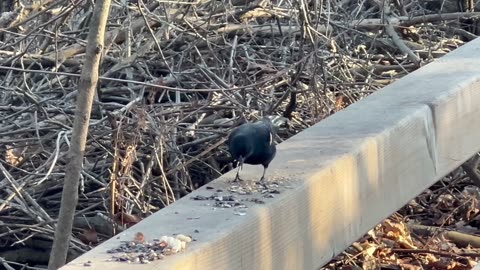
(346, 174)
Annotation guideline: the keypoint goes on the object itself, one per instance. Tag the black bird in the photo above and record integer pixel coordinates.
(253, 143)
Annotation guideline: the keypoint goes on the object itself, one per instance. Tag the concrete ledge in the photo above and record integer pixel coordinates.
(346, 174)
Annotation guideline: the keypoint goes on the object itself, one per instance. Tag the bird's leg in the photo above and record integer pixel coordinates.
(240, 167)
(237, 177)
(262, 181)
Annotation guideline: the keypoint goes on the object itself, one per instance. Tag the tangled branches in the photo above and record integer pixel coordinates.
(175, 78)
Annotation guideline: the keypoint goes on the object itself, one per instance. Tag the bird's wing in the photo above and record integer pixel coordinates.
(264, 130)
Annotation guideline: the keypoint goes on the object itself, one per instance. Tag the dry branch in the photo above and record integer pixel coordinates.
(87, 87)
(174, 79)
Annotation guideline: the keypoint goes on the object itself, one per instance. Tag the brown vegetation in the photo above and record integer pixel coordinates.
(175, 78)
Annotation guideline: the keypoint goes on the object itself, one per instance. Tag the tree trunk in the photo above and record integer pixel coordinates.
(87, 85)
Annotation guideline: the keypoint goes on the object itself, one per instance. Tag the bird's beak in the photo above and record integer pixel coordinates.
(278, 121)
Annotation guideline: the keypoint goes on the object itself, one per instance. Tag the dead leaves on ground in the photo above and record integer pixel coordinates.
(438, 230)
(391, 246)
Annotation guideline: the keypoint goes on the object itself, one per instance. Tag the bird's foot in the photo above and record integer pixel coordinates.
(237, 179)
(262, 182)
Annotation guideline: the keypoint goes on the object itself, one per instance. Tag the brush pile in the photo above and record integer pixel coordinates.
(176, 76)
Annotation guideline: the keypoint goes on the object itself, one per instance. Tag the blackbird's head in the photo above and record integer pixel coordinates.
(275, 123)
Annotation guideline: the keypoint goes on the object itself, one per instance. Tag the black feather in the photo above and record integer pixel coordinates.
(253, 143)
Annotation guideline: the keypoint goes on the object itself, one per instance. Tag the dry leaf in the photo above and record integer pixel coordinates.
(399, 233)
(126, 219)
(89, 237)
(13, 156)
